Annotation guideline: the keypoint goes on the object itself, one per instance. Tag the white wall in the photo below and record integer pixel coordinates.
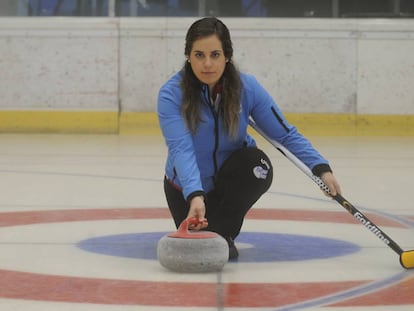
(309, 65)
(58, 64)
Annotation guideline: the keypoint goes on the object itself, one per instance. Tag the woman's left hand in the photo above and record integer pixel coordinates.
(329, 179)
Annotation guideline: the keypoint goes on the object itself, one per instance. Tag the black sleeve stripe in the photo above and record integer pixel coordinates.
(319, 169)
(195, 194)
(279, 119)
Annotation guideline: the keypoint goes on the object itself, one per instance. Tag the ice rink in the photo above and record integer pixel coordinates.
(81, 215)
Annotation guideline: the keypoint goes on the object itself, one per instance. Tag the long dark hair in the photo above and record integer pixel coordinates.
(191, 86)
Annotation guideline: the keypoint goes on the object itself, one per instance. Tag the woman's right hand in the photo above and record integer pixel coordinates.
(197, 211)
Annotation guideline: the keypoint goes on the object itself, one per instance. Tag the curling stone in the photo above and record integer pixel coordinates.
(192, 251)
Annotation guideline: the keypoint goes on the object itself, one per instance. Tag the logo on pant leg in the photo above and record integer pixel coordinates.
(260, 172)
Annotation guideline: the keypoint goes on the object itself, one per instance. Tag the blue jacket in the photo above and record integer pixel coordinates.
(193, 159)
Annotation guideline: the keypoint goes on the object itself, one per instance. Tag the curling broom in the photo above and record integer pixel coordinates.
(406, 257)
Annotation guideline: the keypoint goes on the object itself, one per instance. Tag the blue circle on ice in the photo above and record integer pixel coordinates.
(253, 246)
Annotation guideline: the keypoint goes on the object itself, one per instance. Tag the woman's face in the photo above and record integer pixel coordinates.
(207, 60)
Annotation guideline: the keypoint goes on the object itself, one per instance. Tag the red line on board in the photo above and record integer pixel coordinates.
(398, 294)
(318, 216)
(35, 217)
(30, 286)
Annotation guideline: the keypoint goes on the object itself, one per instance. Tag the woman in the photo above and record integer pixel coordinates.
(214, 171)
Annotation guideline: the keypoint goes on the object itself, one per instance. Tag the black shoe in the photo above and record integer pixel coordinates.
(233, 252)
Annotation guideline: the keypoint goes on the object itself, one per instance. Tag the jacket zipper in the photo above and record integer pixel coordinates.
(216, 130)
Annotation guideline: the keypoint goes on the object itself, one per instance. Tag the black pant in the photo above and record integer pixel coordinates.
(244, 177)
